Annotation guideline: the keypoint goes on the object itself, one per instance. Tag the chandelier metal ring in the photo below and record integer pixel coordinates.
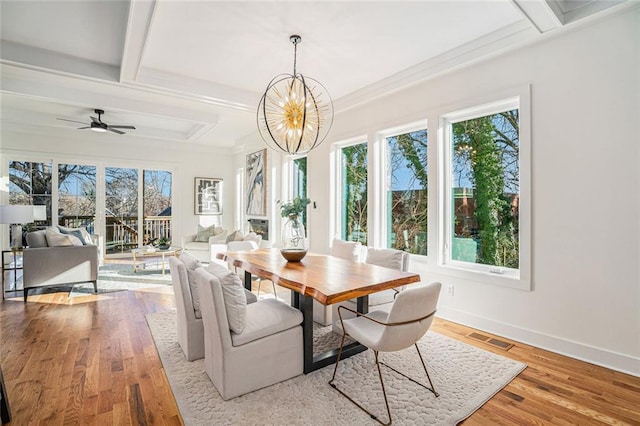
(295, 112)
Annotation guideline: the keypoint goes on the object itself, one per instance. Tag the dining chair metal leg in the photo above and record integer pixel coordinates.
(384, 393)
(275, 295)
(432, 388)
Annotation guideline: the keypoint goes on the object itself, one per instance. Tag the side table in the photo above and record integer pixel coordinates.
(11, 265)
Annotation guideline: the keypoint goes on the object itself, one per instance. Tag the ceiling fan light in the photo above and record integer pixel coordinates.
(98, 129)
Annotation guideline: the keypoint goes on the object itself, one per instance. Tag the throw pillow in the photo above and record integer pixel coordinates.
(235, 301)
(191, 264)
(57, 239)
(204, 233)
(217, 269)
(81, 233)
(235, 236)
(388, 258)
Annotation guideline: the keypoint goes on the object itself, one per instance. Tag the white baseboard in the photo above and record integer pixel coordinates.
(613, 360)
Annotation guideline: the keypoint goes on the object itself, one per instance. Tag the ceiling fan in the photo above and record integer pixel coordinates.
(97, 125)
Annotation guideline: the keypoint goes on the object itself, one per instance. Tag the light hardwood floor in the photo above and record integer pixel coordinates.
(91, 360)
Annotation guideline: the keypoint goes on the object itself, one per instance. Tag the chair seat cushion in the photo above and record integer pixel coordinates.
(194, 245)
(264, 318)
(365, 331)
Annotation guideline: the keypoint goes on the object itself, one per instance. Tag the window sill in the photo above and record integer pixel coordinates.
(515, 281)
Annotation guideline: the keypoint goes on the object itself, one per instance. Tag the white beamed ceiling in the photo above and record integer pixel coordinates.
(193, 72)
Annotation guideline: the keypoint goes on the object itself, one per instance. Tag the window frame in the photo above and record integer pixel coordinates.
(516, 278)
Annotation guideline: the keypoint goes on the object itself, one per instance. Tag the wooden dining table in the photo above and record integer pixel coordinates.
(327, 279)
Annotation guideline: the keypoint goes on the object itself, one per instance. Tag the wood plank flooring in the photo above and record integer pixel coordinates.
(91, 360)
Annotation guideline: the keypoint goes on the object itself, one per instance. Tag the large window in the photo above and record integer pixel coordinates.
(406, 192)
(299, 182)
(157, 205)
(354, 193)
(30, 183)
(484, 190)
(77, 196)
(121, 201)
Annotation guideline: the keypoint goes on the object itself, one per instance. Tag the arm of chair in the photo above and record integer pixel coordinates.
(221, 238)
(188, 239)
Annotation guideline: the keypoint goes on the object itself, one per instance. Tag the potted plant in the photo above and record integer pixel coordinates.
(293, 241)
(163, 243)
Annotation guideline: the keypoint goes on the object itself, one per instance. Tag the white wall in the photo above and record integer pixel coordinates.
(185, 161)
(585, 90)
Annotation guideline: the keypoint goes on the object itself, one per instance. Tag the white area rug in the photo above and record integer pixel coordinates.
(465, 376)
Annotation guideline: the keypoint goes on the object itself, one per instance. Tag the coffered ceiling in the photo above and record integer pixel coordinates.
(193, 71)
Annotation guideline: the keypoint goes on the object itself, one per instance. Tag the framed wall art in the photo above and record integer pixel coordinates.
(256, 183)
(208, 196)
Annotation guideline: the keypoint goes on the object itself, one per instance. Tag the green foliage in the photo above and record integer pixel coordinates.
(162, 241)
(295, 207)
(488, 146)
(409, 207)
(354, 161)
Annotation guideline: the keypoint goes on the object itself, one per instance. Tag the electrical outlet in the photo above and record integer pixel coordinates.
(450, 289)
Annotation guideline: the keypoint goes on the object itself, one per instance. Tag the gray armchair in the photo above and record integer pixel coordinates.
(46, 266)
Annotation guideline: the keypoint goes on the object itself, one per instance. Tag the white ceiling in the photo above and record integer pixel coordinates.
(194, 71)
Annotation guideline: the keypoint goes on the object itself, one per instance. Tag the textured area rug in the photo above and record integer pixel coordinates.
(465, 376)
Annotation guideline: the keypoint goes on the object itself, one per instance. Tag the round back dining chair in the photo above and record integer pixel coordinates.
(392, 330)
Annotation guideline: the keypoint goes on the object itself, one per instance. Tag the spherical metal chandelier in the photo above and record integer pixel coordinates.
(296, 112)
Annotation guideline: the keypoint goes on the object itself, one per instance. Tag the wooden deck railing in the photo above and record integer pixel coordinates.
(122, 232)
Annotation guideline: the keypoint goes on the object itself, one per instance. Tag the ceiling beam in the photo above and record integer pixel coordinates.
(74, 90)
(541, 14)
(138, 27)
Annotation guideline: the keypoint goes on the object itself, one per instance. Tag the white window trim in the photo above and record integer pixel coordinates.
(382, 169)
(496, 102)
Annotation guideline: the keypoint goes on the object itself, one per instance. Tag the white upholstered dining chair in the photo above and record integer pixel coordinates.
(409, 318)
(190, 329)
(246, 347)
(248, 246)
(388, 258)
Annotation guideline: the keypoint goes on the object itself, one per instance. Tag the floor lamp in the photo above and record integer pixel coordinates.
(16, 215)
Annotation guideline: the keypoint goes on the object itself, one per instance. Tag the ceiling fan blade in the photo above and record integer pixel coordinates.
(120, 127)
(81, 128)
(95, 120)
(73, 121)
(115, 131)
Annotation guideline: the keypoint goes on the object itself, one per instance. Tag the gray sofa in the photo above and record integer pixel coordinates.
(55, 266)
